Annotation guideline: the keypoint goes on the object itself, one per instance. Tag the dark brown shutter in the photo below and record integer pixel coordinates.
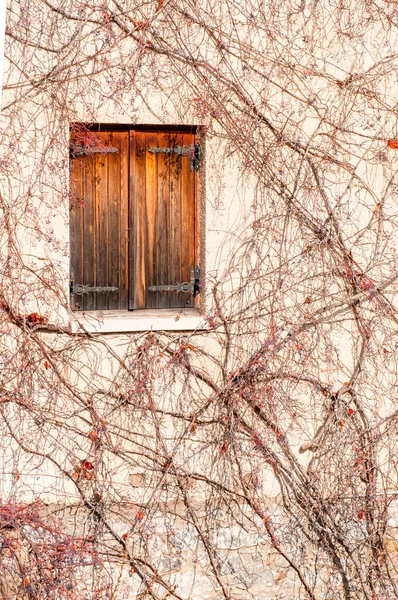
(162, 219)
(132, 221)
(99, 219)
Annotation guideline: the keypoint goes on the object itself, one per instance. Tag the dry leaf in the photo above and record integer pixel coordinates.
(281, 576)
(138, 24)
(93, 435)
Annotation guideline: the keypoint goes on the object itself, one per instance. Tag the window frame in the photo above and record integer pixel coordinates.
(152, 318)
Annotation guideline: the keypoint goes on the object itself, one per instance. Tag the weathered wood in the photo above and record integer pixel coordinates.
(137, 222)
(101, 223)
(89, 260)
(137, 226)
(163, 257)
(124, 221)
(76, 195)
(175, 232)
(116, 229)
(188, 217)
(113, 218)
(151, 219)
(100, 250)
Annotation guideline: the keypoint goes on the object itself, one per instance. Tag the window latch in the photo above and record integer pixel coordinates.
(193, 286)
(193, 151)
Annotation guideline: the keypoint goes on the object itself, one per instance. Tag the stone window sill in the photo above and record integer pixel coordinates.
(124, 321)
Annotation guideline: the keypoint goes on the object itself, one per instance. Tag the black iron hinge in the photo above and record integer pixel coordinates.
(78, 289)
(193, 286)
(193, 151)
(86, 150)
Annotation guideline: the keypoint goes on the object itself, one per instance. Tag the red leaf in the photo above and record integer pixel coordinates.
(88, 465)
(224, 447)
(36, 319)
(93, 435)
(393, 144)
(139, 24)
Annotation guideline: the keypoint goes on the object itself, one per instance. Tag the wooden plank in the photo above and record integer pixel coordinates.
(188, 181)
(115, 227)
(132, 209)
(197, 250)
(113, 213)
(101, 222)
(137, 224)
(88, 301)
(124, 220)
(162, 241)
(176, 299)
(76, 195)
(151, 218)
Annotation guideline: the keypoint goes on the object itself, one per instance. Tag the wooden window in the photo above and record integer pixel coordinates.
(133, 218)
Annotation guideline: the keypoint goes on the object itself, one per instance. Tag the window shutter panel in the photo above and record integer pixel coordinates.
(186, 191)
(162, 219)
(138, 219)
(99, 221)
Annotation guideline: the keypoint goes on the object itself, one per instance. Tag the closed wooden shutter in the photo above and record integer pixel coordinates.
(162, 196)
(133, 220)
(99, 220)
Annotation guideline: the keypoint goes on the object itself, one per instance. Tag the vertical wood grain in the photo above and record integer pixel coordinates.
(188, 180)
(102, 223)
(76, 225)
(115, 232)
(124, 221)
(137, 227)
(176, 275)
(151, 219)
(88, 301)
(162, 242)
(138, 243)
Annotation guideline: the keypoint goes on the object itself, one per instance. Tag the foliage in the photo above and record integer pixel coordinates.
(263, 450)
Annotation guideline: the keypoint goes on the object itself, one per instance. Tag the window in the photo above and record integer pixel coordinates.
(133, 223)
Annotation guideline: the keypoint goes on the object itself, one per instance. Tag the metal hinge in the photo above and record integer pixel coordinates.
(79, 289)
(193, 151)
(83, 150)
(193, 286)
